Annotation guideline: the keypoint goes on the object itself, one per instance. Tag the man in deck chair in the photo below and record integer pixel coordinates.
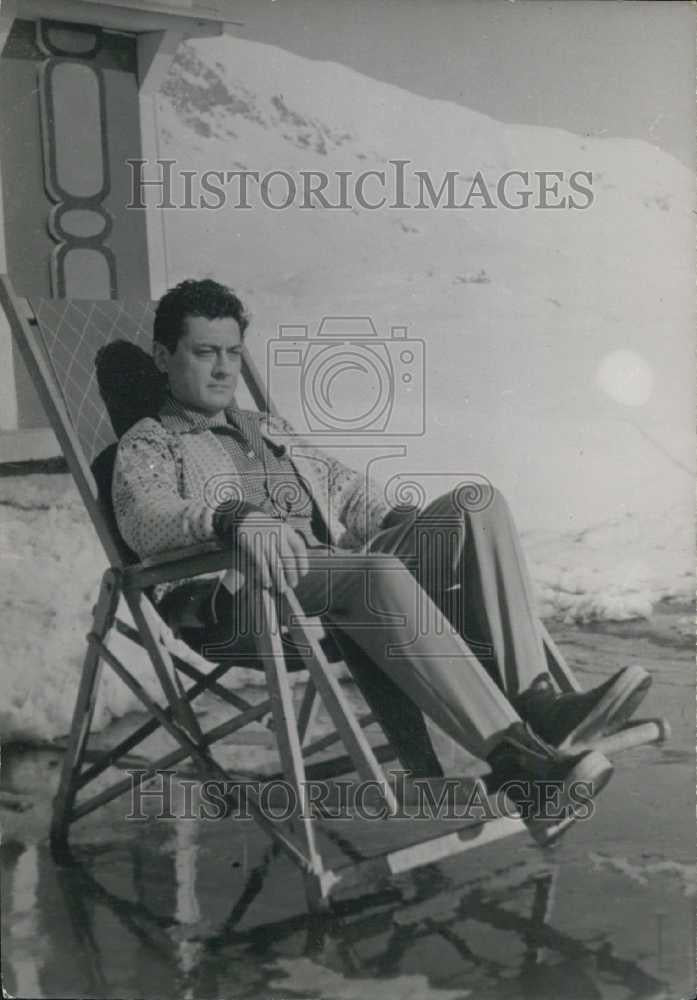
(452, 634)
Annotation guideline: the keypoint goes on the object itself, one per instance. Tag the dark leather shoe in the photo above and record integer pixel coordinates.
(580, 717)
(549, 787)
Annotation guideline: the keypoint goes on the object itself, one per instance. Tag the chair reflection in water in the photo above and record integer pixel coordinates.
(154, 921)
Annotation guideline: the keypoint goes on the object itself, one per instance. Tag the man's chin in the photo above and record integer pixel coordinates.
(219, 399)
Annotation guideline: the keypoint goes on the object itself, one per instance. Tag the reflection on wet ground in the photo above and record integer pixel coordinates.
(182, 909)
(195, 909)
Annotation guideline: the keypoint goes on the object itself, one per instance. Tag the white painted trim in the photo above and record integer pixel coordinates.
(179, 6)
(32, 444)
(123, 18)
(8, 12)
(154, 216)
(9, 413)
(156, 50)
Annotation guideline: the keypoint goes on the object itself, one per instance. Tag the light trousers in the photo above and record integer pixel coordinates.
(436, 617)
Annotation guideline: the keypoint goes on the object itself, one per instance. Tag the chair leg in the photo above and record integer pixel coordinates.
(558, 667)
(179, 721)
(146, 620)
(103, 619)
(399, 717)
(353, 737)
(309, 710)
(317, 892)
(286, 729)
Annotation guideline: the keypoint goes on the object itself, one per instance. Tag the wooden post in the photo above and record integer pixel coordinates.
(103, 619)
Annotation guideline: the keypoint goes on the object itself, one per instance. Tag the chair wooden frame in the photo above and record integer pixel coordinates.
(171, 661)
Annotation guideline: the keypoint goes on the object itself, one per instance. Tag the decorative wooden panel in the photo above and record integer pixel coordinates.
(76, 161)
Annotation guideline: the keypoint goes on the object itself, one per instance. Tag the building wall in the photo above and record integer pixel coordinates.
(70, 100)
(25, 72)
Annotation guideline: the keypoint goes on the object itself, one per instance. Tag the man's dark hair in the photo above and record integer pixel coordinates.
(205, 298)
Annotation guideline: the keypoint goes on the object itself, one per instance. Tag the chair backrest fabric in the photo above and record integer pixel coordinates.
(103, 470)
(62, 342)
(72, 333)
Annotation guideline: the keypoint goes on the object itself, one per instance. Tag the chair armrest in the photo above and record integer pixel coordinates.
(177, 564)
(171, 555)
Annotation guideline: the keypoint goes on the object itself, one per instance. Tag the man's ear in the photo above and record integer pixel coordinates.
(160, 356)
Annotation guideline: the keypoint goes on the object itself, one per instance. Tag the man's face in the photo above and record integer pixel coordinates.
(204, 369)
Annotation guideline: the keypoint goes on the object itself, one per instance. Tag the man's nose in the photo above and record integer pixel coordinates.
(223, 364)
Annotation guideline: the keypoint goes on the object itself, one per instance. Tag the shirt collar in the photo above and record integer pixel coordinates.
(177, 417)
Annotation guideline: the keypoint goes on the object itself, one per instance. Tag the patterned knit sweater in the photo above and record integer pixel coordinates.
(172, 474)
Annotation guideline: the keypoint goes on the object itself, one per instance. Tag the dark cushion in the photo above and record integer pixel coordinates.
(129, 383)
(103, 470)
(131, 388)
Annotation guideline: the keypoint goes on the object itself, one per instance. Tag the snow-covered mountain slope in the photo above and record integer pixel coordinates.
(518, 310)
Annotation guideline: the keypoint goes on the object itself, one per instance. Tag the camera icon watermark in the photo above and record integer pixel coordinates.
(349, 379)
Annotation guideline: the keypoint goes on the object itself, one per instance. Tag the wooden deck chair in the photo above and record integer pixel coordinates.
(58, 340)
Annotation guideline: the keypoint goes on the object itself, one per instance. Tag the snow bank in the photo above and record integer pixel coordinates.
(53, 564)
(616, 570)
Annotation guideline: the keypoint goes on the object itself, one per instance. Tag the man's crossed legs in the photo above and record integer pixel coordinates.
(438, 617)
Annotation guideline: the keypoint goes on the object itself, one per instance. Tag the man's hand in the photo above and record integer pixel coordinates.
(273, 551)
